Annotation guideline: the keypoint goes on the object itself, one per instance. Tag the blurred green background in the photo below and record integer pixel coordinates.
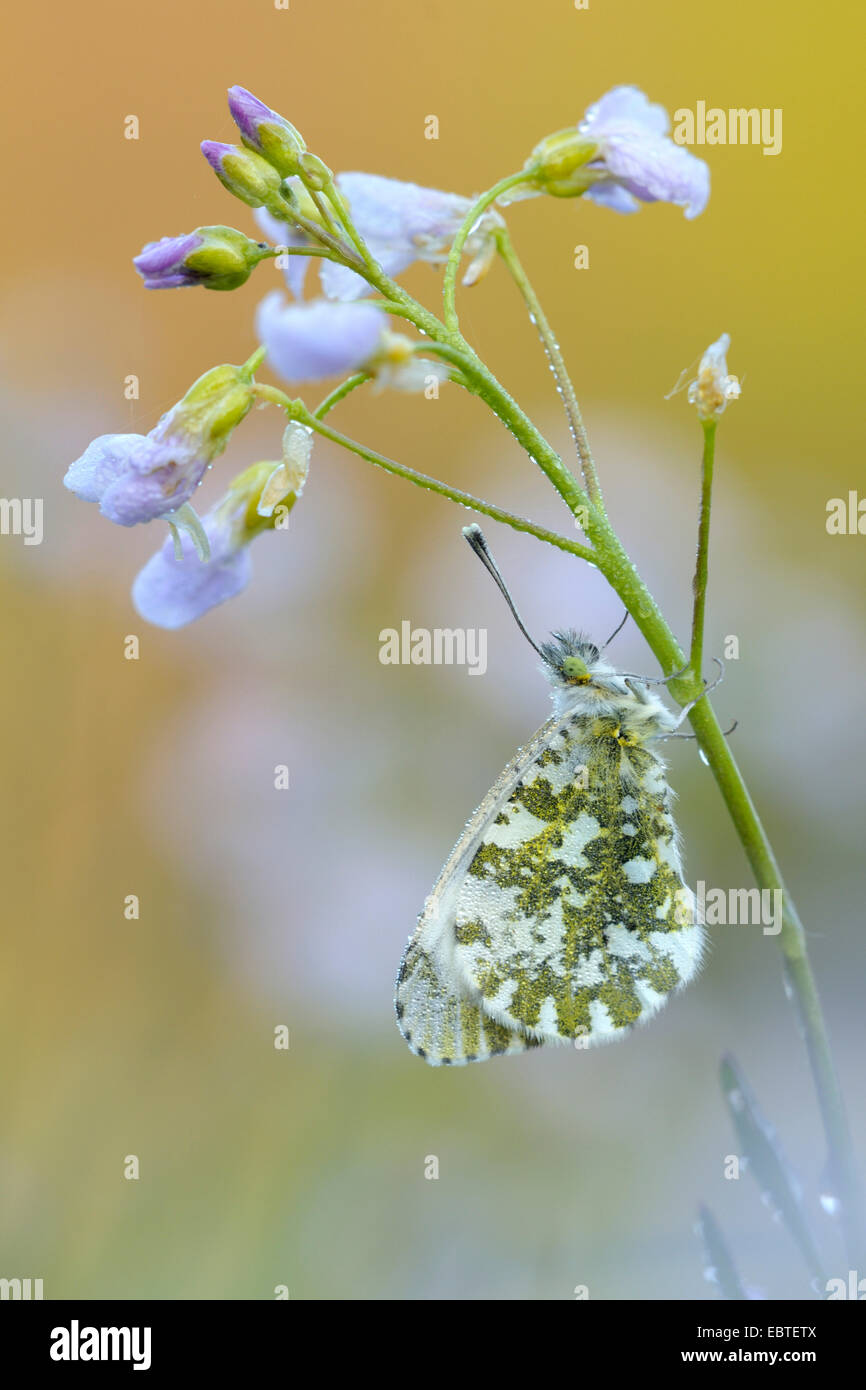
(258, 907)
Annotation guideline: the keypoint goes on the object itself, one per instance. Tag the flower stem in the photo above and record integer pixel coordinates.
(699, 583)
(339, 393)
(298, 411)
(557, 364)
(480, 206)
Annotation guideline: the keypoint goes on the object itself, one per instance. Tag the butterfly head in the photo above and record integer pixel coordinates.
(570, 659)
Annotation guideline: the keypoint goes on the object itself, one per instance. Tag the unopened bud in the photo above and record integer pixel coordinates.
(557, 165)
(266, 132)
(243, 172)
(220, 258)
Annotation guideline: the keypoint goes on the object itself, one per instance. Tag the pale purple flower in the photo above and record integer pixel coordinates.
(137, 477)
(171, 592)
(305, 342)
(161, 263)
(400, 222)
(637, 160)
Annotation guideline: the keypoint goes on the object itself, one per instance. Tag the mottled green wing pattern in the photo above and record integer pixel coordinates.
(442, 1020)
(443, 1025)
(572, 920)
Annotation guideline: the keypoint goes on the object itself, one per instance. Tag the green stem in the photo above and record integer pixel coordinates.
(339, 393)
(480, 206)
(321, 208)
(283, 210)
(481, 381)
(253, 363)
(344, 212)
(699, 583)
(321, 251)
(557, 364)
(298, 411)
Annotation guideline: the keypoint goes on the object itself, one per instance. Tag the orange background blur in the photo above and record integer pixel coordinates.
(155, 1037)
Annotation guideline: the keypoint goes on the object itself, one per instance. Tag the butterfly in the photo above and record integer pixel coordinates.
(561, 915)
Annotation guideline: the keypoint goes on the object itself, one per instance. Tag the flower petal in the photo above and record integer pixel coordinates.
(396, 218)
(90, 476)
(628, 105)
(170, 592)
(610, 195)
(654, 169)
(306, 342)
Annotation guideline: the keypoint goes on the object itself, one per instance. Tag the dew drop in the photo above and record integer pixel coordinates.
(711, 1274)
(831, 1204)
(703, 757)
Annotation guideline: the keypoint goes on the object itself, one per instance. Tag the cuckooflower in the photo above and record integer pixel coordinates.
(637, 157)
(176, 586)
(321, 338)
(401, 223)
(137, 478)
(619, 155)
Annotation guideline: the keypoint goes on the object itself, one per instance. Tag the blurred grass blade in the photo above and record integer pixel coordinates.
(759, 1145)
(719, 1268)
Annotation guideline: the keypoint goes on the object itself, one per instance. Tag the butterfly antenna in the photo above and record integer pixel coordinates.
(616, 631)
(475, 537)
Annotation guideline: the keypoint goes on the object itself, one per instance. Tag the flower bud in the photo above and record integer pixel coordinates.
(137, 478)
(266, 132)
(212, 407)
(557, 165)
(179, 585)
(315, 172)
(220, 258)
(243, 172)
(162, 264)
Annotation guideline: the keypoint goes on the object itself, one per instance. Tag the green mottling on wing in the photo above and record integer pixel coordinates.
(593, 894)
(466, 933)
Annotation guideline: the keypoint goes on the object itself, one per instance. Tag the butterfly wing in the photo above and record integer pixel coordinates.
(571, 919)
(438, 1012)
